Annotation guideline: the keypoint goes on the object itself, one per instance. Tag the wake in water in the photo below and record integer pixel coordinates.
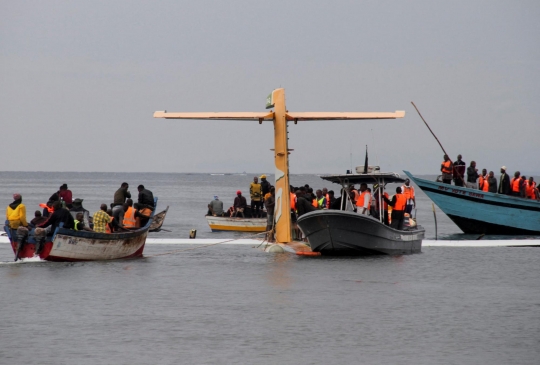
(23, 261)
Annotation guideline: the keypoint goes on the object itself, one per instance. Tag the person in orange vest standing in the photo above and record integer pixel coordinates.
(398, 204)
(408, 191)
(483, 181)
(531, 189)
(516, 185)
(446, 169)
(327, 197)
(363, 203)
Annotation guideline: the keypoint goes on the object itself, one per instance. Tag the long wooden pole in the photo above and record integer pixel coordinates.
(439, 142)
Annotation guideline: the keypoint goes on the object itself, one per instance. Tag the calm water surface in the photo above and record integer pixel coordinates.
(239, 305)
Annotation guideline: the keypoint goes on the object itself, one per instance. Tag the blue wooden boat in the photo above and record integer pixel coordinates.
(476, 211)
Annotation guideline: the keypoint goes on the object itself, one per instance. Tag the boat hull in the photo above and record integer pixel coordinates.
(479, 212)
(338, 233)
(236, 224)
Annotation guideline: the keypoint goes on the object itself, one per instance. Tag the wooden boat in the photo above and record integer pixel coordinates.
(340, 232)
(70, 245)
(480, 212)
(158, 220)
(236, 224)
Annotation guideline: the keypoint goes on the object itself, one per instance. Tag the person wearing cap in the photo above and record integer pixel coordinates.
(504, 182)
(16, 213)
(66, 195)
(265, 185)
(215, 207)
(77, 206)
(255, 192)
(239, 205)
(408, 191)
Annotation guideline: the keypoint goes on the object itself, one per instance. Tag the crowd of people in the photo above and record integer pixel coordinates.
(121, 215)
(518, 186)
(305, 199)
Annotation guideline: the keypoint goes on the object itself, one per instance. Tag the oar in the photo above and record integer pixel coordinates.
(435, 217)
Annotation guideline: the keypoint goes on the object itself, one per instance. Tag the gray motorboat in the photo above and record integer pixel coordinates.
(345, 232)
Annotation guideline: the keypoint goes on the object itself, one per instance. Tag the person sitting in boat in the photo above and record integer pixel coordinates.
(142, 215)
(65, 194)
(16, 213)
(60, 215)
(446, 168)
(78, 223)
(320, 199)
(77, 206)
(303, 206)
(47, 208)
(215, 207)
(146, 197)
(363, 203)
(398, 203)
(472, 176)
(101, 219)
(239, 204)
(38, 219)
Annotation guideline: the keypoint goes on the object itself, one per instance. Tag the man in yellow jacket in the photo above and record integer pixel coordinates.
(16, 213)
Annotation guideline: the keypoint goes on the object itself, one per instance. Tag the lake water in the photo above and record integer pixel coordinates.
(238, 305)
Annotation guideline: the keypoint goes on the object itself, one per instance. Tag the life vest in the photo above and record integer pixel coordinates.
(361, 198)
(129, 218)
(515, 184)
(327, 201)
(293, 201)
(143, 211)
(485, 183)
(447, 169)
(45, 206)
(75, 226)
(108, 226)
(408, 191)
(314, 202)
(401, 201)
(320, 203)
(530, 193)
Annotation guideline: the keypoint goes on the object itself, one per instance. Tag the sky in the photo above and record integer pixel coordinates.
(80, 81)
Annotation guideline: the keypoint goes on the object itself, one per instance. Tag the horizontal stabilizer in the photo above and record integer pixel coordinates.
(342, 116)
(220, 115)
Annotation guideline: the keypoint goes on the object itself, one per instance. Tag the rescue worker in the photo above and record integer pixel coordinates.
(16, 213)
(397, 203)
(446, 169)
(256, 195)
(531, 189)
(482, 181)
(320, 199)
(516, 185)
(363, 203)
(504, 182)
(408, 191)
(459, 171)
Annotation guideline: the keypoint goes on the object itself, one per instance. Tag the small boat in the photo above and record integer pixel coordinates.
(236, 224)
(158, 220)
(70, 245)
(480, 212)
(346, 233)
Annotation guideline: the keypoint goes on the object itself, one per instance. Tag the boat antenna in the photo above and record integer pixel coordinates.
(366, 162)
(440, 144)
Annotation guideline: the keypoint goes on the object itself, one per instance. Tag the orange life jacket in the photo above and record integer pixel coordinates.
(49, 209)
(327, 201)
(485, 183)
(108, 226)
(144, 211)
(293, 201)
(129, 218)
(408, 191)
(314, 203)
(530, 193)
(515, 184)
(360, 200)
(447, 167)
(401, 201)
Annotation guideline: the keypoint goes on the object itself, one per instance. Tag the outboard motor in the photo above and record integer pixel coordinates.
(22, 237)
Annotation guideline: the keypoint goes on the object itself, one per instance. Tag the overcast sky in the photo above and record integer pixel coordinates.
(79, 82)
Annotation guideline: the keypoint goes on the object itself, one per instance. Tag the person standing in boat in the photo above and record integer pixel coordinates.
(239, 204)
(516, 185)
(531, 189)
(265, 185)
(482, 181)
(398, 204)
(408, 191)
(255, 192)
(146, 197)
(446, 170)
(363, 203)
(320, 199)
(120, 197)
(303, 206)
(385, 217)
(459, 171)
(492, 182)
(504, 182)
(270, 204)
(472, 176)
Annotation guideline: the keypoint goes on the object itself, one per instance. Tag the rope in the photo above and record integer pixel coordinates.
(211, 244)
